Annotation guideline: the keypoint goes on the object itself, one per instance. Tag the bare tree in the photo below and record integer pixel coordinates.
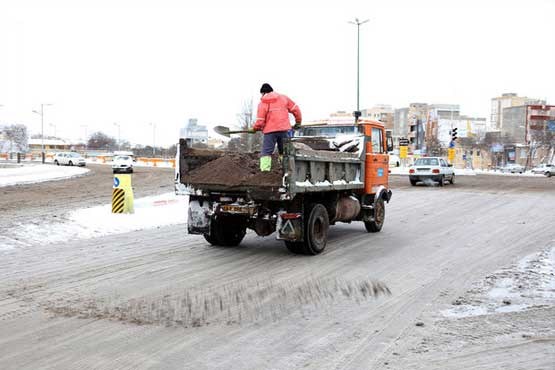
(246, 142)
(541, 139)
(17, 137)
(433, 146)
(100, 140)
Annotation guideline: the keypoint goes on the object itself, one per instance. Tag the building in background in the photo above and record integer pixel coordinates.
(195, 133)
(467, 127)
(400, 125)
(441, 119)
(525, 123)
(417, 120)
(341, 117)
(50, 145)
(507, 100)
(382, 113)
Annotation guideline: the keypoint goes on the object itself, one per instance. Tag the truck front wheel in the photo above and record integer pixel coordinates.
(379, 217)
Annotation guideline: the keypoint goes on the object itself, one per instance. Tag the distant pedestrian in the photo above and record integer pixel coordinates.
(273, 120)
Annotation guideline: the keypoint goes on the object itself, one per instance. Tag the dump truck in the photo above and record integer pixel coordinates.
(328, 173)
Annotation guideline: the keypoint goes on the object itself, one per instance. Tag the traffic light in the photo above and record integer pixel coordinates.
(454, 134)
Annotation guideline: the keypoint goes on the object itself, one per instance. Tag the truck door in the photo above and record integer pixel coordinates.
(377, 163)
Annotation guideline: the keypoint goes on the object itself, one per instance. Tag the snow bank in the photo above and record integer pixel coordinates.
(499, 173)
(150, 212)
(29, 174)
(528, 283)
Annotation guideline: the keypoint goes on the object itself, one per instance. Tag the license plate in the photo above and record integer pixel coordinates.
(234, 209)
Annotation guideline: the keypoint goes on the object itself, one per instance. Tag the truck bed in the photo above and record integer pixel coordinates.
(303, 170)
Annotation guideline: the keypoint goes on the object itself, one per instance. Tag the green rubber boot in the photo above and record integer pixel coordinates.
(266, 163)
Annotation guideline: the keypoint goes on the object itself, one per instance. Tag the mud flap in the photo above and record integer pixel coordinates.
(199, 217)
(289, 229)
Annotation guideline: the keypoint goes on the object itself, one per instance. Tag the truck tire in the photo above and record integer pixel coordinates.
(379, 217)
(295, 247)
(210, 239)
(452, 181)
(315, 231)
(441, 180)
(413, 182)
(226, 231)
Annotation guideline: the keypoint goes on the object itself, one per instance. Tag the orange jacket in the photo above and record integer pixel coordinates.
(273, 113)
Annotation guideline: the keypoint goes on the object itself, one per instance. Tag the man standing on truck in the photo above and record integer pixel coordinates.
(273, 120)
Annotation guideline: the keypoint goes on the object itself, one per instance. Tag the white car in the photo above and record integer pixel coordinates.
(431, 169)
(545, 169)
(122, 163)
(512, 168)
(394, 161)
(69, 159)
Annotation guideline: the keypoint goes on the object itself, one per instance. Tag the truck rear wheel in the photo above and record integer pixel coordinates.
(295, 247)
(226, 231)
(379, 217)
(316, 228)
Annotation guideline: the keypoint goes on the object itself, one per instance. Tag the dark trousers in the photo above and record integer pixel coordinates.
(270, 141)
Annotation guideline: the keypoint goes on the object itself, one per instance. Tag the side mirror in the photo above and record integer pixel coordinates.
(450, 165)
(389, 142)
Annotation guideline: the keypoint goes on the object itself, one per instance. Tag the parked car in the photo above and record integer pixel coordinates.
(546, 169)
(394, 160)
(432, 169)
(69, 159)
(512, 168)
(122, 163)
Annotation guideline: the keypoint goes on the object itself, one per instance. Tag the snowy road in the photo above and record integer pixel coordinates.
(33, 173)
(160, 299)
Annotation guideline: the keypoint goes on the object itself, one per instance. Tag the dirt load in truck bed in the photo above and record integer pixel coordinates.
(236, 169)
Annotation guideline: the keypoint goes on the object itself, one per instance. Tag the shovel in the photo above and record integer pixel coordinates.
(223, 130)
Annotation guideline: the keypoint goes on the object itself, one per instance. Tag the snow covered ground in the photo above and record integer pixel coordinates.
(529, 283)
(150, 212)
(32, 173)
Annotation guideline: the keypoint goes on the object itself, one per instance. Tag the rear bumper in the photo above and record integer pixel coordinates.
(435, 178)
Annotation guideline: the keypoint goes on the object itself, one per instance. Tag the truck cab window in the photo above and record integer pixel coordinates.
(377, 140)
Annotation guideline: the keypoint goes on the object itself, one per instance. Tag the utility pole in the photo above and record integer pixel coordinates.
(153, 138)
(358, 24)
(41, 114)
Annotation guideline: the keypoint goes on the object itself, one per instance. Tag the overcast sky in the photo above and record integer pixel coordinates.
(139, 62)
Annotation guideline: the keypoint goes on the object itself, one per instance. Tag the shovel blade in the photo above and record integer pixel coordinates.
(222, 130)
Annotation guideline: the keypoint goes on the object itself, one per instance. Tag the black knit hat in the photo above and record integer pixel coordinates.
(266, 88)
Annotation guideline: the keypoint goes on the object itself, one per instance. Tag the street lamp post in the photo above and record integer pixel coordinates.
(358, 24)
(153, 138)
(41, 114)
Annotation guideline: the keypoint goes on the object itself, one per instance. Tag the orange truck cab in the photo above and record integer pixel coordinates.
(377, 159)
